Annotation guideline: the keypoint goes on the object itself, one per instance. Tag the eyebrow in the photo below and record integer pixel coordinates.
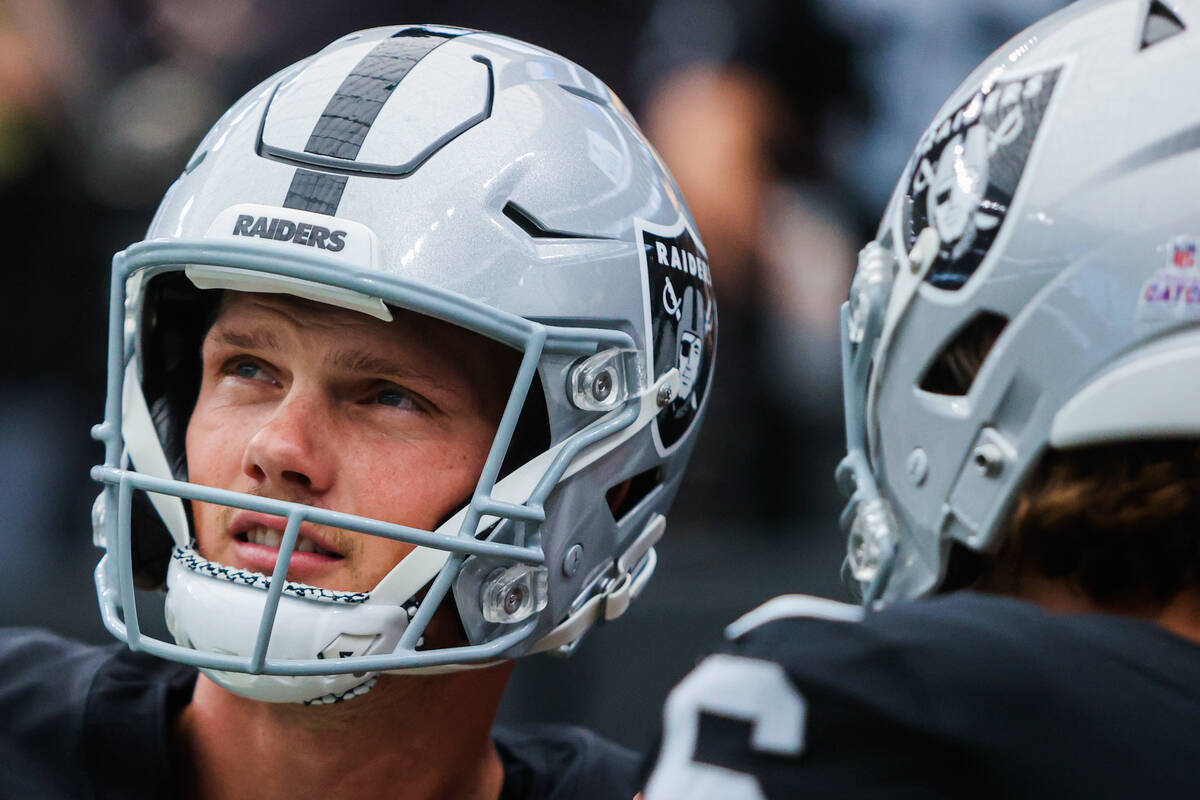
(362, 361)
(257, 339)
(357, 361)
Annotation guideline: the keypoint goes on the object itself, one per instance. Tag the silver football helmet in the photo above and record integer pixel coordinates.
(471, 178)
(1051, 204)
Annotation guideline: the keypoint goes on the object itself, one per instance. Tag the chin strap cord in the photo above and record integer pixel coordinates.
(357, 691)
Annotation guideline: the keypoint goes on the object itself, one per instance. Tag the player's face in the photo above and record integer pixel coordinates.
(309, 403)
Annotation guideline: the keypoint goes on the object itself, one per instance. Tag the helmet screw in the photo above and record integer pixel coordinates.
(513, 599)
(988, 459)
(917, 466)
(602, 386)
(664, 396)
(570, 564)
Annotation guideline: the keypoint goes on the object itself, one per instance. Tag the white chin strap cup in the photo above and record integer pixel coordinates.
(222, 616)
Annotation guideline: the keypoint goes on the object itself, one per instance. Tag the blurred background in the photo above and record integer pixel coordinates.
(786, 124)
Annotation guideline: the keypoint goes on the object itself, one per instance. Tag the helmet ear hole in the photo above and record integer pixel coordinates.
(964, 568)
(625, 496)
(954, 369)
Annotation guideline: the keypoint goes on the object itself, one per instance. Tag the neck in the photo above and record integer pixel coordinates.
(1180, 614)
(411, 737)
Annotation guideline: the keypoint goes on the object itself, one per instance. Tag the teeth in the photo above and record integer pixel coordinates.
(272, 538)
(264, 536)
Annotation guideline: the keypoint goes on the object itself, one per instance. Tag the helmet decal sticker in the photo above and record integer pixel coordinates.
(681, 319)
(1172, 292)
(967, 168)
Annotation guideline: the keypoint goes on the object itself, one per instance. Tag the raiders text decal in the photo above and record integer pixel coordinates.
(682, 320)
(285, 230)
(967, 167)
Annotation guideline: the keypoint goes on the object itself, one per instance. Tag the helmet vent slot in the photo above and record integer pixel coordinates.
(962, 356)
(1161, 24)
(526, 222)
(584, 93)
(625, 496)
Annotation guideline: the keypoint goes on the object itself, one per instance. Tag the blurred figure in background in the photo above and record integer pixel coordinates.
(778, 118)
(735, 104)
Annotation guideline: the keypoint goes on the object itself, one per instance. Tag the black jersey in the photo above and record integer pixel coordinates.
(92, 722)
(965, 695)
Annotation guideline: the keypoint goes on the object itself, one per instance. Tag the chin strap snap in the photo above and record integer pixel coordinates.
(629, 575)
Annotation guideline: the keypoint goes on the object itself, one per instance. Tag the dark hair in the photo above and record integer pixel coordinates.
(1120, 522)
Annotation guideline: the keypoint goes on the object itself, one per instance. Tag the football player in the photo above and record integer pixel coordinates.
(394, 397)
(1021, 355)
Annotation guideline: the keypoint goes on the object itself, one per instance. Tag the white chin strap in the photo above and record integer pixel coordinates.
(222, 612)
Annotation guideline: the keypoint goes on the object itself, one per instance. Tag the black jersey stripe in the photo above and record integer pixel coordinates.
(315, 191)
(344, 124)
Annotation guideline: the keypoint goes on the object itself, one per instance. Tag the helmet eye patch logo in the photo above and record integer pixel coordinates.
(682, 320)
(967, 169)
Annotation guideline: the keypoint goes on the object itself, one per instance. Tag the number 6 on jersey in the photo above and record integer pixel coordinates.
(746, 689)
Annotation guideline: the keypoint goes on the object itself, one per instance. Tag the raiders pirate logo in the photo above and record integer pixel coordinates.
(967, 168)
(681, 318)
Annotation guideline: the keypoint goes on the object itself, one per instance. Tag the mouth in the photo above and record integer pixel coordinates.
(263, 536)
(256, 540)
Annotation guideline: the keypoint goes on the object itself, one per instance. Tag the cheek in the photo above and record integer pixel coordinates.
(203, 444)
(420, 485)
(215, 442)
(419, 490)
(213, 459)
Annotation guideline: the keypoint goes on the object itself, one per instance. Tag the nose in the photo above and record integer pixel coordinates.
(288, 452)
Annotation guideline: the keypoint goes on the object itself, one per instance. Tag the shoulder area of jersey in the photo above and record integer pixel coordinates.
(965, 610)
(793, 606)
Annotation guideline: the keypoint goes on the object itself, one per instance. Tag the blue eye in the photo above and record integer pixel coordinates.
(394, 396)
(246, 369)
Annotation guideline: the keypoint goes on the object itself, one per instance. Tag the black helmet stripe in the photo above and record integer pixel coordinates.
(343, 125)
(315, 191)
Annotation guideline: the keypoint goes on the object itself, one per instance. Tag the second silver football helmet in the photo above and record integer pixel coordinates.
(1050, 205)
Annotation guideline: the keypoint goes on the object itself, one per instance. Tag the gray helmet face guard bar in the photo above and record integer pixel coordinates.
(862, 324)
(854, 475)
(114, 581)
(883, 285)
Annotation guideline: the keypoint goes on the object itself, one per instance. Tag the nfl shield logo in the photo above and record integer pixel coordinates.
(1184, 254)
